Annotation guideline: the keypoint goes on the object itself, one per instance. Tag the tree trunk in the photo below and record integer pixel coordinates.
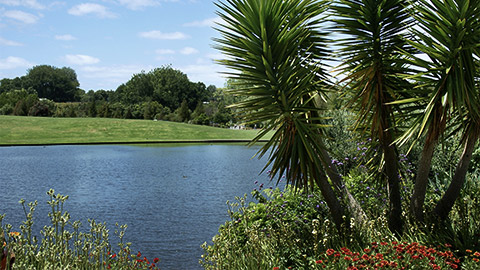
(421, 181)
(445, 205)
(395, 223)
(356, 209)
(336, 209)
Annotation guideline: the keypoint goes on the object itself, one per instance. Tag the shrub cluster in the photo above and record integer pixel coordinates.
(63, 245)
(292, 229)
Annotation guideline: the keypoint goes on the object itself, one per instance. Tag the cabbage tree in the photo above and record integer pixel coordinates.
(275, 51)
(448, 36)
(373, 60)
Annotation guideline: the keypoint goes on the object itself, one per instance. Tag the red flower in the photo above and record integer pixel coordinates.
(318, 261)
(114, 255)
(330, 252)
(139, 254)
(276, 268)
(156, 260)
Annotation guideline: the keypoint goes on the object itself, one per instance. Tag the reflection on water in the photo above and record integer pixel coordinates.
(172, 197)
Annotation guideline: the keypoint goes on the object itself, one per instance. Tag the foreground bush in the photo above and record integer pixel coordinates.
(56, 247)
(293, 230)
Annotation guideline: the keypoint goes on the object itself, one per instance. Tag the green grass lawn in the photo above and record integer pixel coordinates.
(18, 130)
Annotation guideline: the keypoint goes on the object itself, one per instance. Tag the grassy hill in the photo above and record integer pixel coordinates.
(19, 130)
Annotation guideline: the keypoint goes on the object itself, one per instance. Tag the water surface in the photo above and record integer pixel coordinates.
(172, 197)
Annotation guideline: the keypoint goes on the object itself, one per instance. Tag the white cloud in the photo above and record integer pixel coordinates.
(216, 56)
(206, 73)
(164, 51)
(138, 4)
(24, 3)
(210, 22)
(163, 36)
(67, 37)
(122, 71)
(91, 8)
(108, 77)
(12, 62)
(21, 16)
(80, 59)
(188, 51)
(6, 42)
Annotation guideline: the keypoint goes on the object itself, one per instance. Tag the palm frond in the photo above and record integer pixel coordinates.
(276, 49)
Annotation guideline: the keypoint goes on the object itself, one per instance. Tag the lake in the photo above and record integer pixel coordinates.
(172, 197)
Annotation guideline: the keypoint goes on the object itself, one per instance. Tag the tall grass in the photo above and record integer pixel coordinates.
(64, 245)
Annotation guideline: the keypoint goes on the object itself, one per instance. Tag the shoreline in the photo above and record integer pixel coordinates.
(133, 142)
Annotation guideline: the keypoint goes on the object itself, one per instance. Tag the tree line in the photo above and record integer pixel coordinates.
(163, 94)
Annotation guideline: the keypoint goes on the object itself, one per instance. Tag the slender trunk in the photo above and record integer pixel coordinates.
(421, 181)
(395, 223)
(336, 209)
(445, 205)
(356, 209)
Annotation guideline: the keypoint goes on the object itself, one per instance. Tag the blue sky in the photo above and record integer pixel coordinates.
(107, 41)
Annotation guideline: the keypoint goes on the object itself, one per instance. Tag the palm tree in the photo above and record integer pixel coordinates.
(275, 50)
(448, 32)
(372, 54)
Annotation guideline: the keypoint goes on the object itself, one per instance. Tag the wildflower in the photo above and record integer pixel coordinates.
(318, 261)
(276, 268)
(476, 254)
(468, 251)
(156, 260)
(476, 260)
(139, 254)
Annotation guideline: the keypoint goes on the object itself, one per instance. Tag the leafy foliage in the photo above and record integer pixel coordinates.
(64, 245)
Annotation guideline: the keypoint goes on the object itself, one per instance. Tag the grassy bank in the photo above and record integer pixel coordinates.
(18, 130)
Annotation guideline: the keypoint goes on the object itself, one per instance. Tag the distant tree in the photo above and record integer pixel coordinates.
(137, 90)
(184, 111)
(57, 84)
(92, 108)
(151, 109)
(42, 107)
(171, 87)
(7, 85)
